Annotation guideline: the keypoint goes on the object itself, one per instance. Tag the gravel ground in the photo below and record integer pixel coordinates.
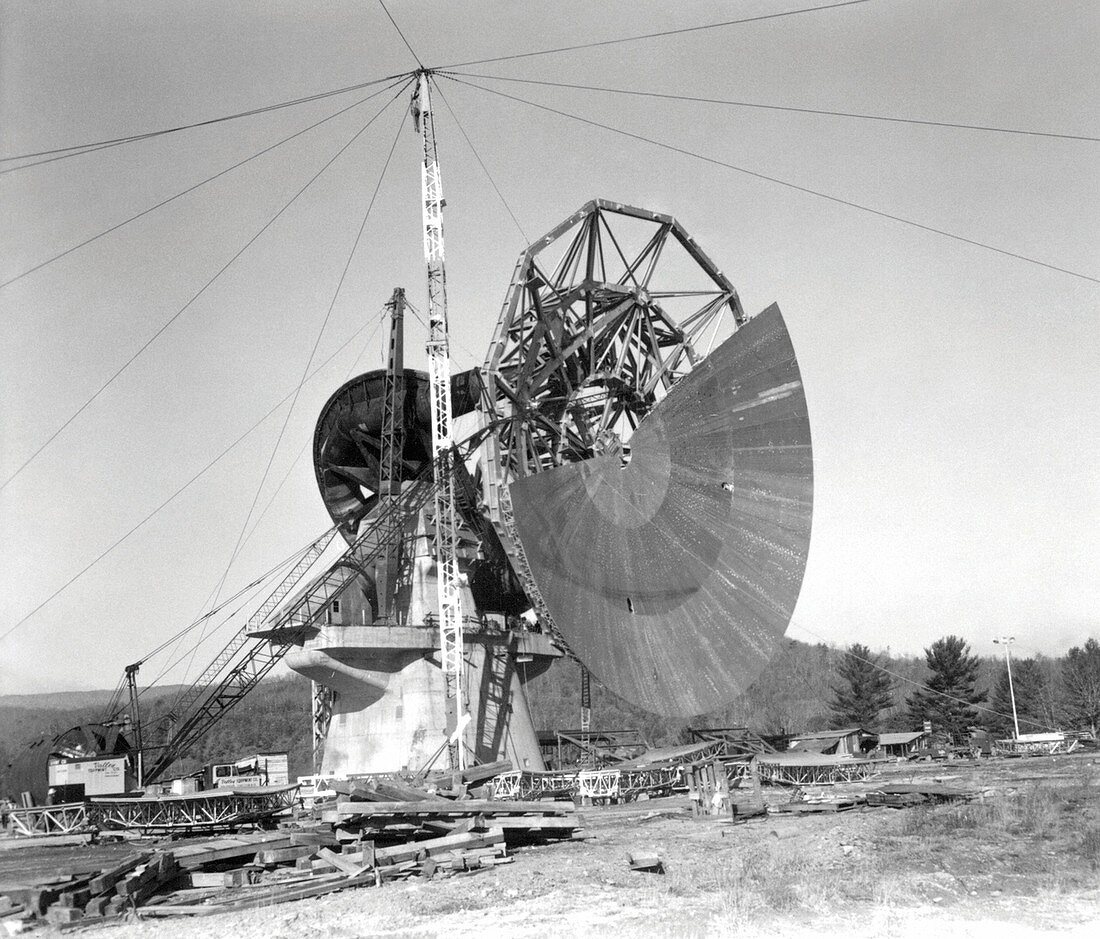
(862, 873)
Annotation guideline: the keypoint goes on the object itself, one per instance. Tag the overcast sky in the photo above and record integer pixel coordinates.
(952, 390)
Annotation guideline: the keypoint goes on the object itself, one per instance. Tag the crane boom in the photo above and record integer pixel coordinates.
(439, 374)
(292, 625)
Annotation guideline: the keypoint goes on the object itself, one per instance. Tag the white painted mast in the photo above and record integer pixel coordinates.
(439, 372)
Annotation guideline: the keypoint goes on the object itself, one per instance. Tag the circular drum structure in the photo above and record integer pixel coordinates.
(347, 443)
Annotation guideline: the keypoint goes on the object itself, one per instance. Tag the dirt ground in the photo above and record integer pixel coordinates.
(1025, 861)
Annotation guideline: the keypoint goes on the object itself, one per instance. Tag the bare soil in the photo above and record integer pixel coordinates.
(1025, 861)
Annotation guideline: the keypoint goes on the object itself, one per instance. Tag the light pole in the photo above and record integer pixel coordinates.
(1007, 641)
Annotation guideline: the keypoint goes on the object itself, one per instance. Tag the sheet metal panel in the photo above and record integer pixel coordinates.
(675, 576)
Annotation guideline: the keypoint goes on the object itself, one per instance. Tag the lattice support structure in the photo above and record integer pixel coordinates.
(203, 811)
(601, 785)
(393, 443)
(439, 374)
(586, 711)
(821, 774)
(39, 820)
(322, 699)
(590, 337)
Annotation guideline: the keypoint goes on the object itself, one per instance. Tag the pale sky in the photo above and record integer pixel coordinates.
(952, 390)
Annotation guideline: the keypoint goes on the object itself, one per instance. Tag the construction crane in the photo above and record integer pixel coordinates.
(135, 720)
(323, 698)
(266, 639)
(439, 375)
(235, 671)
(251, 654)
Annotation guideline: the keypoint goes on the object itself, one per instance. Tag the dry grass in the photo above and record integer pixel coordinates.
(1040, 838)
(787, 881)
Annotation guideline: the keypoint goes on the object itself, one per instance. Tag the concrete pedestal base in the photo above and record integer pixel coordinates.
(389, 710)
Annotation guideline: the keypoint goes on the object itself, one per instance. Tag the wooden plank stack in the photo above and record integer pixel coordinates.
(355, 843)
(521, 822)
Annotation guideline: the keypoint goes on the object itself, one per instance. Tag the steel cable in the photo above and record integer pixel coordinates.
(61, 153)
(785, 183)
(178, 313)
(777, 107)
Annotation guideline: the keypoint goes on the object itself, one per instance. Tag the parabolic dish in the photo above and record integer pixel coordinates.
(674, 577)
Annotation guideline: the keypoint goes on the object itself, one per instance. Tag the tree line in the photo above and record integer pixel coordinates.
(1047, 694)
(809, 687)
(804, 688)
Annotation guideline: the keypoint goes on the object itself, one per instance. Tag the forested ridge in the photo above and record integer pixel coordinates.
(796, 692)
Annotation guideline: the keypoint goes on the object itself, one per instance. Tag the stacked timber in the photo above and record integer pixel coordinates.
(521, 822)
(438, 786)
(355, 844)
(98, 895)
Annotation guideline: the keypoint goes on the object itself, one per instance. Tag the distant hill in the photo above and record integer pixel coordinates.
(274, 716)
(791, 694)
(73, 700)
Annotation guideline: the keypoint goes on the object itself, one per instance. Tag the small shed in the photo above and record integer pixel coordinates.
(901, 743)
(845, 741)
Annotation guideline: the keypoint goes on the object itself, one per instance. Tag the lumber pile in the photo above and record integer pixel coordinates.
(358, 843)
(795, 807)
(96, 895)
(438, 786)
(521, 822)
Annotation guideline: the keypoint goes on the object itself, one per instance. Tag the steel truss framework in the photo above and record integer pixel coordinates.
(322, 699)
(601, 785)
(439, 373)
(597, 748)
(821, 774)
(583, 350)
(205, 811)
(586, 345)
(36, 821)
(1035, 747)
(736, 741)
(527, 785)
(625, 785)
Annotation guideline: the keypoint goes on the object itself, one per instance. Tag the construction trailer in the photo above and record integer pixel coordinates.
(74, 778)
(35, 774)
(258, 769)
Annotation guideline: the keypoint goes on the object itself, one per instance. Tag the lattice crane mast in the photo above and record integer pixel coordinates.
(439, 374)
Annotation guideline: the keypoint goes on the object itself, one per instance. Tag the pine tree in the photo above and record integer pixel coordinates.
(864, 690)
(1029, 686)
(951, 689)
(1081, 686)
